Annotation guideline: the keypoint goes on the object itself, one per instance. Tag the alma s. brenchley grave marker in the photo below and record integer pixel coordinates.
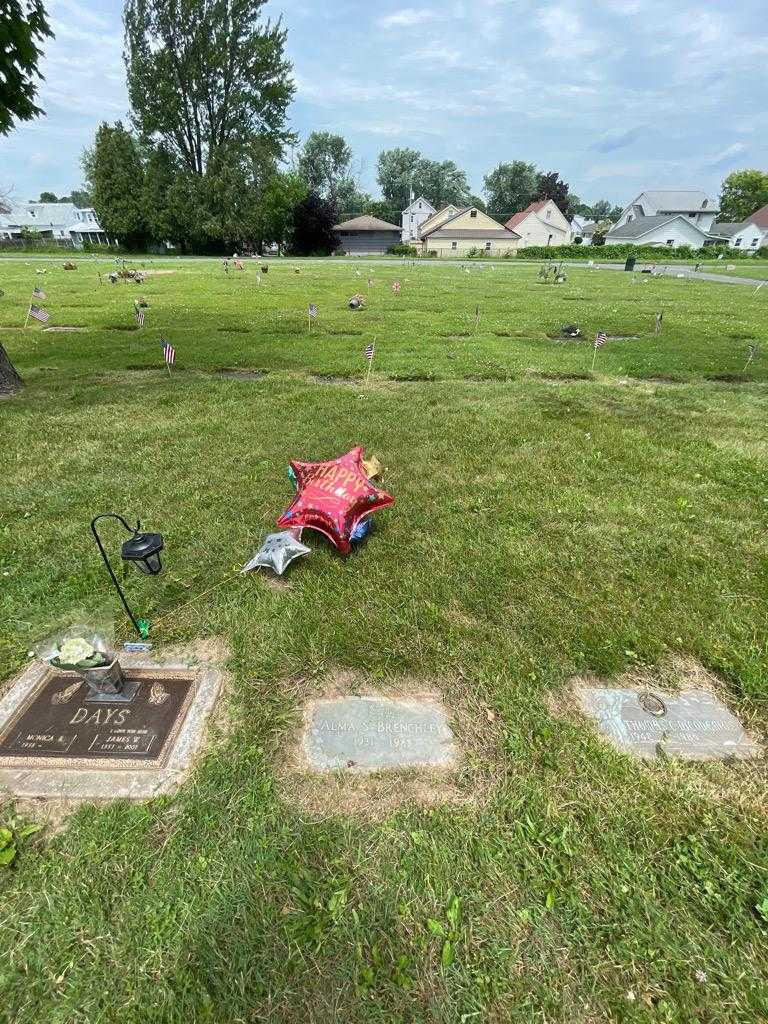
(372, 733)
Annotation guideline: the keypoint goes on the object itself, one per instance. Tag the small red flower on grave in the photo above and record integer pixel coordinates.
(333, 497)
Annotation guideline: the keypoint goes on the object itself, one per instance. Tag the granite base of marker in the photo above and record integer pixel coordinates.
(123, 771)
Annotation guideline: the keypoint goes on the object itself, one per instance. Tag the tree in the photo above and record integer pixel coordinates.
(396, 175)
(159, 176)
(312, 232)
(208, 78)
(551, 187)
(48, 197)
(10, 381)
(116, 179)
(477, 202)
(23, 24)
(80, 197)
(441, 182)
(510, 188)
(282, 195)
(601, 230)
(380, 208)
(743, 193)
(324, 164)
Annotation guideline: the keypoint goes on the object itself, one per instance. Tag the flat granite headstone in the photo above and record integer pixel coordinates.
(693, 724)
(370, 733)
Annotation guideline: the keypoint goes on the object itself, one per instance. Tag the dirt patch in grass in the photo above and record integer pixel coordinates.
(502, 334)
(456, 334)
(657, 379)
(499, 375)
(121, 327)
(233, 330)
(730, 378)
(335, 379)
(376, 795)
(147, 367)
(554, 375)
(424, 378)
(240, 373)
(345, 334)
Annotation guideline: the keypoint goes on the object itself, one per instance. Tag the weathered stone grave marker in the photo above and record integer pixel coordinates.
(693, 725)
(371, 733)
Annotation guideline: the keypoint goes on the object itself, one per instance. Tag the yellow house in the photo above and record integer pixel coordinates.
(455, 233)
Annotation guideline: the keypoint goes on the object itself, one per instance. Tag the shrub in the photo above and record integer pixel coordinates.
(400, 249)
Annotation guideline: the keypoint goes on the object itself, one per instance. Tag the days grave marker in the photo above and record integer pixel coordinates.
(693, 725)
(372, 733)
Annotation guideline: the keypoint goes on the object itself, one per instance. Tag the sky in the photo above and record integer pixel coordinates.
(619, 96)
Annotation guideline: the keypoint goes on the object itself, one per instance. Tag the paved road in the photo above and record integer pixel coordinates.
(688, 272)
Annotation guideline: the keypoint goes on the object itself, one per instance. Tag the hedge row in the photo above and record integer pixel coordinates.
(645, 253)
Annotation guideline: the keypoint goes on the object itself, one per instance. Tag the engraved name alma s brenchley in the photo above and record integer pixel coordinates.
(58, 724)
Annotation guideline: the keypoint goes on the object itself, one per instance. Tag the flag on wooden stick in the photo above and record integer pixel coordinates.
(600, 340)
(139, 316)
(169, 354)
(38, 293)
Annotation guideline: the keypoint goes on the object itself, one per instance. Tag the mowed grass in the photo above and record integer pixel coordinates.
(545, 524)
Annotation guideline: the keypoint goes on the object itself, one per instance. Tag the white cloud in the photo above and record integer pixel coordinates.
(407, 17)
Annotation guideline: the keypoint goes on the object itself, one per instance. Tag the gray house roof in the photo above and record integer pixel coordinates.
(693, 201)
(727, 230)
(641, 226)
(366, 224)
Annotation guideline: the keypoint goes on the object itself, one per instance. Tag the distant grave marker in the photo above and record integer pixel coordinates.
(693, 725)
(371, 733)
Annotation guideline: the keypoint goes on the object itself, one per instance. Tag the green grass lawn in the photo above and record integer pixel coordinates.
(548, 521)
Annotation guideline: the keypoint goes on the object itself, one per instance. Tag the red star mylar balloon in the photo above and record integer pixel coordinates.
(333, 497)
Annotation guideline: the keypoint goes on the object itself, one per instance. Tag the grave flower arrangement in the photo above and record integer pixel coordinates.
(83, 650)
(77, 653)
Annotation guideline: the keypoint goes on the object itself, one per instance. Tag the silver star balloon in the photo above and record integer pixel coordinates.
(277, 552)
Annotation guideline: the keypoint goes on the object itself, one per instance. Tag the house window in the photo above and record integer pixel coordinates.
(737, 243)
(473, 213)
(670, 241)
(453, 245)
(549, 214)
(488, 246)
(755, 241)
(419, 205)
(630, 217)
(704, 204)
(691, 215)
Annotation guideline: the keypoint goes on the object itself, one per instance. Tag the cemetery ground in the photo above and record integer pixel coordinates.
(550, 522)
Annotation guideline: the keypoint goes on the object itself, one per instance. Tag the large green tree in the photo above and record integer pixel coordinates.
(207, 77)
(23, 25)
(282, 195)
(441, 182)
(509, 188)
(324, 162)
(743, 193)
(396, 175)
(312, 232)
(115, 173)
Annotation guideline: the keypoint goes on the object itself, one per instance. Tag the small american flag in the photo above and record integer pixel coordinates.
(38, 293)
(600, 339)
(659, 321)
(139, 316)
(39, 314)
(169, 352)
(369, 350)
(395, 286)
(312, 310)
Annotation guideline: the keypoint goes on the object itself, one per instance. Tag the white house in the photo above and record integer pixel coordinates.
(746, 236)
(541, 223)
(695, 206)
(59, 222)
(663, 229)
(413, 216)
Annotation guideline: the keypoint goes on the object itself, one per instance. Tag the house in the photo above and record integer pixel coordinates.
(442, 215)
(466, 229)
(586, 232)
(695, 206)
(63, 223)
(413, 216)
(663, 229)
(541, 223)
(748, 235)
(366, 236)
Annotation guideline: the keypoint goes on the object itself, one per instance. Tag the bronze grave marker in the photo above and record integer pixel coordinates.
(56, 726)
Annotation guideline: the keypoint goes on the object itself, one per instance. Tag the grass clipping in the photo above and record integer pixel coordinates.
(378, 794)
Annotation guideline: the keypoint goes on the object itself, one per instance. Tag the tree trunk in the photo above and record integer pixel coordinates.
(10, 381)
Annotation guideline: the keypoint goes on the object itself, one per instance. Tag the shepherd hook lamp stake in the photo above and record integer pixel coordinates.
(143, 549)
